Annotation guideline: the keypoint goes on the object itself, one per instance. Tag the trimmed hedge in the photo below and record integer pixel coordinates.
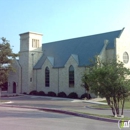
(41, 93)
(62, 94)
(34, 92)
(24, 93)
(86, 95)
(73, 95)
(52, 94)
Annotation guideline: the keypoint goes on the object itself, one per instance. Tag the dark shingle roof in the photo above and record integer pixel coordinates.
(84, 47)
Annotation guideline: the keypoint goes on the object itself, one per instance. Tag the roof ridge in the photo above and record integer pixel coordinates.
(82, 36)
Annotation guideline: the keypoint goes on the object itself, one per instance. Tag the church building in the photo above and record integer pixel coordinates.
(59, 66)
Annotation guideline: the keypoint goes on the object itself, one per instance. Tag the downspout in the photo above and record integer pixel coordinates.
(32, 71)
(58, 80)
(85, 70)
(21, 78)
(115, 49)
(36, 79)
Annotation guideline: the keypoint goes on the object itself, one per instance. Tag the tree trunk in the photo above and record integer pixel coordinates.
(0, 92)
(117, 108)
(122, 107)
(110, 103)
(113, 110)
(116, 105)
(117, 111)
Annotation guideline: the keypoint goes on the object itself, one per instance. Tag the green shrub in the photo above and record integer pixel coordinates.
(34, 92)
(62, 94)
(73, 95)
(41, 93)
(52, 94)
(86, 95)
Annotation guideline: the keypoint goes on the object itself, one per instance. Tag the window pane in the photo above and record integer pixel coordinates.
(71, 76)
(47, 77)
(125, 57)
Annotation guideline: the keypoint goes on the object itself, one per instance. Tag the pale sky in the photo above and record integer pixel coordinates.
(61, 19)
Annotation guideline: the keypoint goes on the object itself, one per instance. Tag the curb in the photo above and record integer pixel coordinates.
(65, 112)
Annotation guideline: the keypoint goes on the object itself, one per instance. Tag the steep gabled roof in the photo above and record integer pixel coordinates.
(84, 47)
(76, 58)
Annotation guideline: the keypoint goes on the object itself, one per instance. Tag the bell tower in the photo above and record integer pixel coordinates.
(30, 52)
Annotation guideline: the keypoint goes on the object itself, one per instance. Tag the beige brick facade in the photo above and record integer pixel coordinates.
(28, 79)
(15, 77)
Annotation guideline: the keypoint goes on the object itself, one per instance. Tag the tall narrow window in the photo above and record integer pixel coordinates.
(47, 77)
(35, 43)
(71, 76)
(32, 43)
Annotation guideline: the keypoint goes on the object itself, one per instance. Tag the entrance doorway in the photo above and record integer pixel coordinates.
(14, 87)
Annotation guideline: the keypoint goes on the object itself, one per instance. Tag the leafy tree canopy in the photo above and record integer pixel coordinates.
(110, 80)
(6, 58)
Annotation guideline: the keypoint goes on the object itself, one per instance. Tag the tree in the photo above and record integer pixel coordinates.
(110, 80)
(6, 59)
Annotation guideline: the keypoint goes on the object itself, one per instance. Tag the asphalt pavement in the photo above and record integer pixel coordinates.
(81, 108)
(12, 118)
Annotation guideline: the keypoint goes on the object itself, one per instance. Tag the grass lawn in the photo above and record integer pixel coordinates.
(101, 106)
(126, 106)
(105, 116)
(1, 101)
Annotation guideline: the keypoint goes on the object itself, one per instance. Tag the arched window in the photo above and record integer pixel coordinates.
(47, 77)
(125, 57)
(71, 76)
(14, 87)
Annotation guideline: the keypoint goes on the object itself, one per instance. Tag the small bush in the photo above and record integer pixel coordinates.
(24, 93)
(62, 94)
(34, 92)
(73, 95)
(86, 95)
(41, 93)
(52, 94)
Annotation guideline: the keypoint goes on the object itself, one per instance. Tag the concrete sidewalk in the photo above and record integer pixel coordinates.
(94, 101)
(6, 94)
